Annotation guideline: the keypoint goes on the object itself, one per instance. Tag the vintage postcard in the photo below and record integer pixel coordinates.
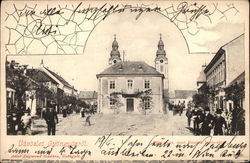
(124, 80)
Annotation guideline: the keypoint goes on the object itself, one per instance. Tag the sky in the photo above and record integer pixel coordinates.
(138, 39)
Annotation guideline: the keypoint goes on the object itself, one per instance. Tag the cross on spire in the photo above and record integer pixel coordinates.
(115, 36)
(160, 35)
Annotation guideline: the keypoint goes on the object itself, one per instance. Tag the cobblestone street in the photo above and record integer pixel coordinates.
(119, 124)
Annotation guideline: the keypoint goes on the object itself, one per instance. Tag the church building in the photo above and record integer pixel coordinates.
(133, 86)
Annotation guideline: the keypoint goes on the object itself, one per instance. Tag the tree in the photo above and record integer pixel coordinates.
(200, 100)
(234, 92)
(17, 80)
(114, 96)
(203, 98)
(146, 102)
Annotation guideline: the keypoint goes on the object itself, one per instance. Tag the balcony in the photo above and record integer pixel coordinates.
(129, 92)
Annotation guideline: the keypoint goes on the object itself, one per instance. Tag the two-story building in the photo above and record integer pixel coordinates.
(130, 78)
(48, 92)
(225, 67)
(63, 87)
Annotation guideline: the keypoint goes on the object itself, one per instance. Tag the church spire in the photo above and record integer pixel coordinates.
(114, 54)
(160, 50)
(115, 46)
(161, 65)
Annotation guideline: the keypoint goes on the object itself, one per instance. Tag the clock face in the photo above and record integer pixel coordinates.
(114, 61)
(161, 60)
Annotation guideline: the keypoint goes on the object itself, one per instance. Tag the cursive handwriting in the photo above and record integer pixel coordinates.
(207, 149)
(196, 11)
(126, 148)
(37, 27)
(192, 11)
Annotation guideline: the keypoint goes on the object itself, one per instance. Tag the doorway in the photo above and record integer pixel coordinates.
(130, 105)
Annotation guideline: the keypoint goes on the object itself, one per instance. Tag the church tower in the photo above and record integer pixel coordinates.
(114, 54)
(161, 65)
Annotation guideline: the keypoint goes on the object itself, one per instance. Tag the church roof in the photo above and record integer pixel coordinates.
(130, 68)
(160, 43)
(115, 43)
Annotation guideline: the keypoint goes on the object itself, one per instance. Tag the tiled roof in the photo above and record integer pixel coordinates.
(60, 78)
(39, 76)
(183, 94)
(87, 94)
(130, 68)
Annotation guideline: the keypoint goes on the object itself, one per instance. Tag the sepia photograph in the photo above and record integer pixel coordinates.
(124, 80)
(140, 84)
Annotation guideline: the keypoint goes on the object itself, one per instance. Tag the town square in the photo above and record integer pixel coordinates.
(133, 98)
(152, 74)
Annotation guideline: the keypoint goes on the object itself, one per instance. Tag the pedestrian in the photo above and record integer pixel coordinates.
(182, 106)
(82, 112)
(195, 119)
(189, 115)
(88, 120)
(51, 120)
(235, 112)
(219, 123)
(26, 121)
(206, 122)
(64, 111)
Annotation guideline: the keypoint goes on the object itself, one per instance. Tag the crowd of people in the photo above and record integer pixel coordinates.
(220, 122)
(20, 121)
(177, 108)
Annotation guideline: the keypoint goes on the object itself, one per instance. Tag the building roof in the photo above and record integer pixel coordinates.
(39, 76)
(63, 81)
(184, 94)
(219, 53)
(130, 68)
(202, 75)
(88, 95)
(238, 79)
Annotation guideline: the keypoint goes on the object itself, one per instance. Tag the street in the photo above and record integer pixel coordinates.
(118, 124)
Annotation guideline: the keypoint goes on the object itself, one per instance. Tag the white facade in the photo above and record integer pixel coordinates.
(122, 84)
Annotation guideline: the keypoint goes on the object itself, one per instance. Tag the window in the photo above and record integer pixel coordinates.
(147, 84)
(147, 103)
(130, 84)
(112, 102)
(112, 84)
(161, 61)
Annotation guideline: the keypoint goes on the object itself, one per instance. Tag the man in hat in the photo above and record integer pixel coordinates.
(219, 123)
(206, 122)
(195, 118)
(51, 120)
(189, 115)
